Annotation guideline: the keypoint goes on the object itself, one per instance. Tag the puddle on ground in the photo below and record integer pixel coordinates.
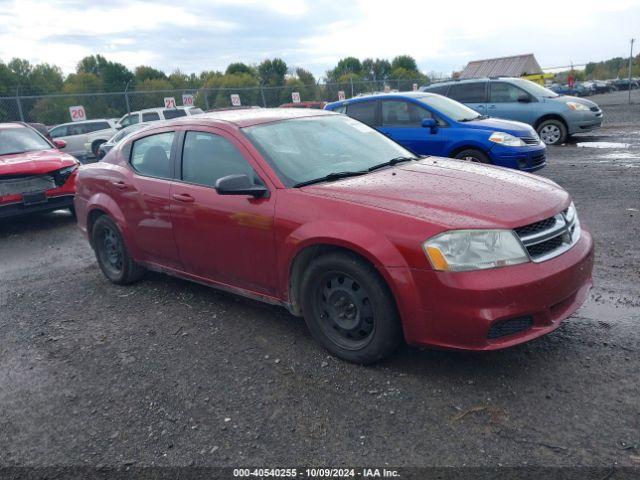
(602, 145)
(608, 315)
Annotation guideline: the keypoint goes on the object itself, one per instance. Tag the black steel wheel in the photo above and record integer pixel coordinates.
(473, 155)
(349, 308)
(112, 254)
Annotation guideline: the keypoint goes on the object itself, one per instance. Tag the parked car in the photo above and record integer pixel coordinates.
(600, 86)
(553, 116)
(578, 90)
(35, 176)
(155, 114)
(623, 84)
(41, 128)
(83, 138)
(328, 217)
(319, 105)
(430, 124)
(109, 144)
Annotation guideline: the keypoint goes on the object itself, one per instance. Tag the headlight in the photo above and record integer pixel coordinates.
(572, 217)
(506, 139)
(66, 171)
(577, 106)
(461, 250)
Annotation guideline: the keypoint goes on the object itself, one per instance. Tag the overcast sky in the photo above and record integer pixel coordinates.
(196, 35)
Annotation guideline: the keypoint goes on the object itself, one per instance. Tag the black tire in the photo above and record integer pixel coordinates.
(95, 147)
(112, 254)
(349, 309)
(473, 155)
(552, 131)
(72, 211)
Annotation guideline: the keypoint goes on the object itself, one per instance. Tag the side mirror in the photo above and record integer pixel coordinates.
(524, 99)
(431, 124)
(117, 126)
(59, 144)
(240, 185)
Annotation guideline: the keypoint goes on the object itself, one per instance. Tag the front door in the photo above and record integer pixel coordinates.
(402, 121)
(508, 101)
(225, 238)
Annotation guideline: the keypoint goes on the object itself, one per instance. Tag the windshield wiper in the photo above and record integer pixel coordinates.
(393, 161)
(332, 176)
(479, 117)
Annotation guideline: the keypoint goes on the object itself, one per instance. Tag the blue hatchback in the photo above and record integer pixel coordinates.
(430, 124)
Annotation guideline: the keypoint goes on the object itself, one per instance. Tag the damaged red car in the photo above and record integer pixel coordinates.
(319, 213)
(34, 175)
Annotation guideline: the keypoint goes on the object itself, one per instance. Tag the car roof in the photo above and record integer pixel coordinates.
(93, 120)
(246, 117)
(363, 98)
(8, 125)
(471, 80)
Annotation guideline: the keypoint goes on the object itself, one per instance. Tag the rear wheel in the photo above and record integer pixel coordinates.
(552, 132)
(473, 155)
(112, 255)
(349, 308)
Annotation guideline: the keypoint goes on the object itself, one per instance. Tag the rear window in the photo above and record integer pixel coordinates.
(475, 92)
(174, 113)
(363, 111)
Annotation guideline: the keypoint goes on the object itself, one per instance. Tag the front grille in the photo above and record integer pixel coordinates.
(530, 140)
(17, 185)
(550, 237)
(545, 224)
(538, 159)
(542, 248)
(510, 326)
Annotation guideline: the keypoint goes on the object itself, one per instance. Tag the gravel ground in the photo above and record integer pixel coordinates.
(167, 372)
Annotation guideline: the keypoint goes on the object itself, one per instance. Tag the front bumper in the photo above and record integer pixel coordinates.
(17, 208)
(527, 159)
(458, 310)
(579, 122)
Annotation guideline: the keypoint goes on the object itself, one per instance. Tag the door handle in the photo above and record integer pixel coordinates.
(183, 197)
(119, 184)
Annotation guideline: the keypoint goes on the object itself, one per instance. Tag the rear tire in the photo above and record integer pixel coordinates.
(112, 254)
(473, 155)
(552, 132)
(349, 309)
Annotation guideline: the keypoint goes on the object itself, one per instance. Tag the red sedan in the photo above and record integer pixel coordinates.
(319, 213)
(34, 175)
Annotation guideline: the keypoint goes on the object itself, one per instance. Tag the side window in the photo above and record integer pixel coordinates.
(150, 116)
(151, 156)
(403, 113)
(341, 109)
(58, 132)
(206, 157)
(130, 120)
(473, 92)
(95, 126)
(439, 89)
(502, 92)
(76, 129)
(363, 111)
(174, 113)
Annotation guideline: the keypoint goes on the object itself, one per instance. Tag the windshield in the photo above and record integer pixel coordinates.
(450, 108)
(304, 149)
(20, 140)
(534, 89)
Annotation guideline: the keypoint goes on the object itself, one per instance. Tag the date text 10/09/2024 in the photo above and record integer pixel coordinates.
(315, 473)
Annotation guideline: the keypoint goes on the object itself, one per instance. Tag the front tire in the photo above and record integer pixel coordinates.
(349, 309)
(112, 254)
(473, 155)
(552, 132)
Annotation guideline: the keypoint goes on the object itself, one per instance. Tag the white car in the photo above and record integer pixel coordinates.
(154, 114)
(84, 138)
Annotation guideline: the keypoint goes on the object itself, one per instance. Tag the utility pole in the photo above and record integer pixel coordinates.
(630, 63)
(19, 104)
(126, 97)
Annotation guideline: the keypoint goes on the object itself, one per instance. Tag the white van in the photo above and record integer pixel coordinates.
(154, 114)
(83, 138)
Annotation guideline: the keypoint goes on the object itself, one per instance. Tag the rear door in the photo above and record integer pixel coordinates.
(145, 196)
(228, 239)
(365, 111)
(401, 120)
(504, 103)
(472, 94)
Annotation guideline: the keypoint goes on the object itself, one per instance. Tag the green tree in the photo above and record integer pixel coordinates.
(113, 75)
(404, 61)
(144, 72)
(222, 86)
(271, 74)
(239, 67)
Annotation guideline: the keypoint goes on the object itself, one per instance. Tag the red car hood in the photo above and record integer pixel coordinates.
(35, 163)
(453, 194)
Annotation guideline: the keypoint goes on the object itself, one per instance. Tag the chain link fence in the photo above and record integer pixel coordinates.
(54, 109)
